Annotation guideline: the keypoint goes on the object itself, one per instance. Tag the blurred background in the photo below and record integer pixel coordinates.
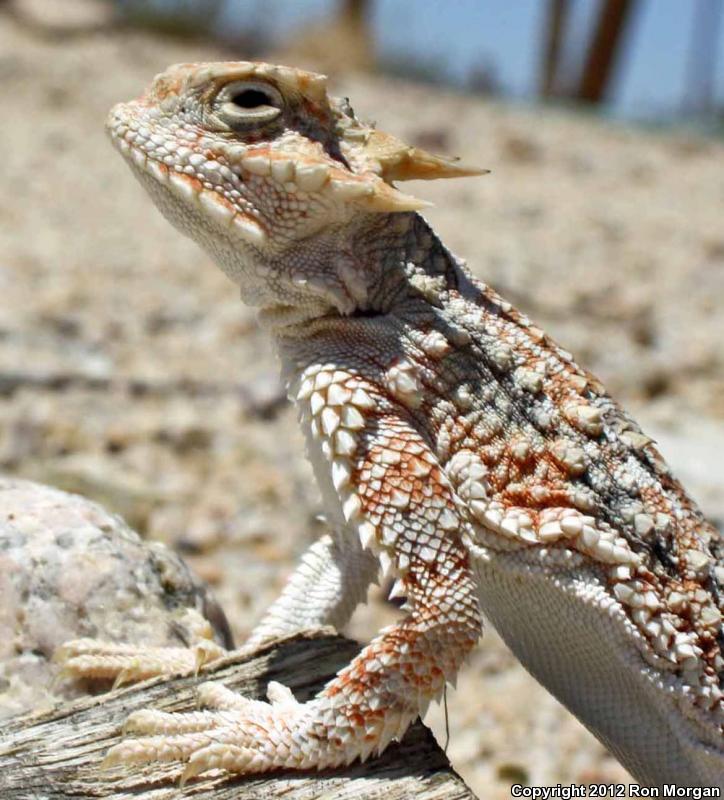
(130, 371)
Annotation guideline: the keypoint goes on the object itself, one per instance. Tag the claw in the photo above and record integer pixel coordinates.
(191, 770)
(124, 676)
(280, 695)
(206, 652)
(60, 677)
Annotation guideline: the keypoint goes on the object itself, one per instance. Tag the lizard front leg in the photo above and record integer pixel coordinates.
(394, 493)
(330, 582)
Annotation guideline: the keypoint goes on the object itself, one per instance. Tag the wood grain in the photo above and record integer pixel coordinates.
(57, 755)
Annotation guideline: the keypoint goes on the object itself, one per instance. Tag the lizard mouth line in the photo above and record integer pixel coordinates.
(302, 175)
(190, 186)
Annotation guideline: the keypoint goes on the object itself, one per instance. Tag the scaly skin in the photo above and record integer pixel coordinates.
(451, 439)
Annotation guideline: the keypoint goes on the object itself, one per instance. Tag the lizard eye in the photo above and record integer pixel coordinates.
(242, 105)
(251, 98)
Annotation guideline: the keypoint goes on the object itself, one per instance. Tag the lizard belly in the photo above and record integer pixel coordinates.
(566, 633)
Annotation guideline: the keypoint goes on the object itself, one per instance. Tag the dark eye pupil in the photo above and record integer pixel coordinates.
(251, 98)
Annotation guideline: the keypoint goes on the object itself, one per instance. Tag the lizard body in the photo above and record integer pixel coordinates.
(455, 445)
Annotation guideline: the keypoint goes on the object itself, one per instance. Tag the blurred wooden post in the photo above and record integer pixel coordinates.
(354, 19)
(341, 42)
(702, 58)
(613, 18)
(554, 32)
(355, 13)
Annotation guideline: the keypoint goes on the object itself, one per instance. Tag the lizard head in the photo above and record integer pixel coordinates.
(251, 159)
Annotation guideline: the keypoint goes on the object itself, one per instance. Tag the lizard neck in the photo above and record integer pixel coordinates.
(366, 269)
(407, 260)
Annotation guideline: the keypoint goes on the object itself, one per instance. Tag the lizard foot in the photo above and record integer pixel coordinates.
(124, 663)
(242, 735)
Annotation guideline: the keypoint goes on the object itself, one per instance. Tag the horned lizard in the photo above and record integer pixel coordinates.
(457, 448)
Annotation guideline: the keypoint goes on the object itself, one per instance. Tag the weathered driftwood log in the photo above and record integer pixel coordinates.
(58, 754)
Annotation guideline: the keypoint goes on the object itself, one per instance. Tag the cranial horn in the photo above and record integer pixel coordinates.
(373, 194)
(387, 198)
(402, 162)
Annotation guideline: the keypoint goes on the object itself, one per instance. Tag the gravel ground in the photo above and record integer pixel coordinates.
(130, 371)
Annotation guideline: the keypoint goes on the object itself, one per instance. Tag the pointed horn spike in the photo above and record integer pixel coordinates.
(399, 161)
(416, 164)
(387, 198)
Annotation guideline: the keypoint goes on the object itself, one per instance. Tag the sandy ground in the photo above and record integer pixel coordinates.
(130, 371)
